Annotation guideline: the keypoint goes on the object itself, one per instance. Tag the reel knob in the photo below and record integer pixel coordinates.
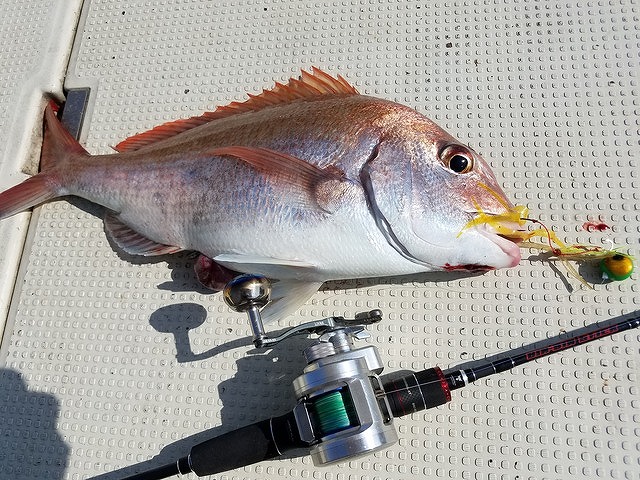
(249, 293)
(246, 292)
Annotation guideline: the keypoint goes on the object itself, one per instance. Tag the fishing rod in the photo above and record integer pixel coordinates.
(344, 408)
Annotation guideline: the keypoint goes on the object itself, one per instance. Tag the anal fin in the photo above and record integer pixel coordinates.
(132, 242)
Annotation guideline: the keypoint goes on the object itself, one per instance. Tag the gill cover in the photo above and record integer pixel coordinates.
(387, 182)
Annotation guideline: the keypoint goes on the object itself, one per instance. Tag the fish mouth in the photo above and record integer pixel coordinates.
(507, 243)
(505, 230)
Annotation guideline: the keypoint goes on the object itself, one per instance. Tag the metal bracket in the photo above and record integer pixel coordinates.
(320, 327)
(74, 109)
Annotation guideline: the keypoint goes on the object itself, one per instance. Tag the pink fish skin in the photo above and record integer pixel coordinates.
(304, 183)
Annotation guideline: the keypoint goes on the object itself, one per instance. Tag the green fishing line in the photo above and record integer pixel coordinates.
(331, 413)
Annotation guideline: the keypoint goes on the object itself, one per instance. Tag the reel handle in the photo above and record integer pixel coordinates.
(249, 294)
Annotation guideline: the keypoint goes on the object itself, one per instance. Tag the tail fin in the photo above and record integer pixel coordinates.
(58, 147)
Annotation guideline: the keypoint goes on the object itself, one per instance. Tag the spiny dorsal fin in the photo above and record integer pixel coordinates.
(309, 86)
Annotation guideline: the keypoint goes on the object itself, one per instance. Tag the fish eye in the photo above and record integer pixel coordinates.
(457, 158)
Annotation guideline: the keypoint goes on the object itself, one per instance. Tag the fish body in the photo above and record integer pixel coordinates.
(305, 183)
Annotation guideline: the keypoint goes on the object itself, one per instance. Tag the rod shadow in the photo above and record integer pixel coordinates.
(256, 392)
(546, 343)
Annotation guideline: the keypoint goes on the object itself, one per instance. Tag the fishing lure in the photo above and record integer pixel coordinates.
(613, 264)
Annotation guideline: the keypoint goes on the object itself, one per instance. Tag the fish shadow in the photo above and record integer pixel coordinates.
(545, 346)
(180, 318)
(256, 392)
(31, 446)
(99, 211)
(183, 276)
(415, 278)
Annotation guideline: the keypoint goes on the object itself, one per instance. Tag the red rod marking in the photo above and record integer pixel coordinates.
(572, 342)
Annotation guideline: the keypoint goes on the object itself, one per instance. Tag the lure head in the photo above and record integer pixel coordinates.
(616, 267)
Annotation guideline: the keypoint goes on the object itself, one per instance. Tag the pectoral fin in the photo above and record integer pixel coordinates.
(287, 296)
(267, 266)
(313, 187)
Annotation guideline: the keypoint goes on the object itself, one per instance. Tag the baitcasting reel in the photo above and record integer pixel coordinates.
(342, 411)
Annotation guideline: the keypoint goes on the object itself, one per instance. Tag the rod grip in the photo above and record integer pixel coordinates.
(245, 446)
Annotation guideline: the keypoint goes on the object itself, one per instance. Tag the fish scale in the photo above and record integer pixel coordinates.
(304, 183)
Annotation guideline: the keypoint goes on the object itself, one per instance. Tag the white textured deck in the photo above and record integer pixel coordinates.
(107, 361)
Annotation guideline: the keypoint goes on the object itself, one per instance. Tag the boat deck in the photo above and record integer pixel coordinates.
(110, 365)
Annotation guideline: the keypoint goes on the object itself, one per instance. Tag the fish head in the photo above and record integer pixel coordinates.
(438, 203)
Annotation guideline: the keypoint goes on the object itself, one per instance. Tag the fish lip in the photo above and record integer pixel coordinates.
(508, 244)
(512, 237)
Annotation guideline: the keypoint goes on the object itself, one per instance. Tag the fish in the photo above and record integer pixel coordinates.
(306, 182)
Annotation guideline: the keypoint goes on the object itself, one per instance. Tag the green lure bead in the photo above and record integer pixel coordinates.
(617, 267)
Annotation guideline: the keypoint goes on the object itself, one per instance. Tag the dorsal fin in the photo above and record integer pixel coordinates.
(309, 86)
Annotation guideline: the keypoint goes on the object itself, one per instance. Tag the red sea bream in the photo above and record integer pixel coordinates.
(304, 183)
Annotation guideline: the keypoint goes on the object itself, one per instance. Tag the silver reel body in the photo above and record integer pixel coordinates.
(354, 418)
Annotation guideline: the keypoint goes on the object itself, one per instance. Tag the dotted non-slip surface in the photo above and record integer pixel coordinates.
(35, 43)
(110, 360)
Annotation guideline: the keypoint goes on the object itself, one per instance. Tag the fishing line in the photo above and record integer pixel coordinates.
(533, 220)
